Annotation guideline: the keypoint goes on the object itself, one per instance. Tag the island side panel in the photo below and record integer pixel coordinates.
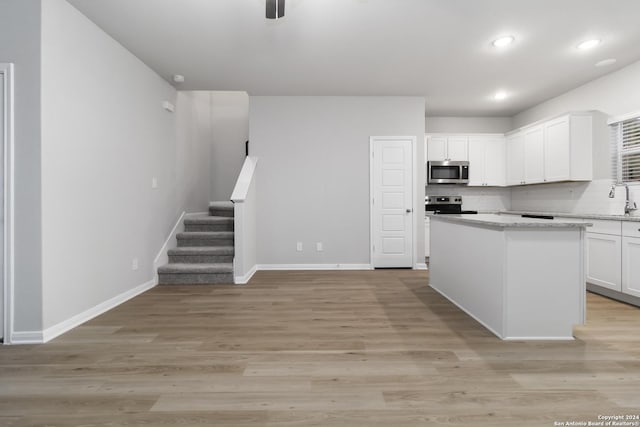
(544, 283)
(466, 266)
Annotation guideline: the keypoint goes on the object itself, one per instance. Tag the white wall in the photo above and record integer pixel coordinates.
(314, 173)
(104, 136)
(230, 124)
(194, 150)
(468, 124)
(614, 94)
(20, 44)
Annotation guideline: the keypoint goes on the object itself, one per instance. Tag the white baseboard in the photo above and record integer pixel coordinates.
(66, 325)
(314, 267)
(27, 337)
(420, 266)
(243, 280)
(162, 258)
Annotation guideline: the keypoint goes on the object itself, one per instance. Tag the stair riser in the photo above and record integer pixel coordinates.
(228, 213)
(201, 259)
(185, 243)
(195, 279)
(208, 227)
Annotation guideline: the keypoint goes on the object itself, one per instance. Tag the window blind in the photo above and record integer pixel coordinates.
(625, 150)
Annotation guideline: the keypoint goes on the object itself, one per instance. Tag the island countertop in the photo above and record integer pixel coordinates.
(511, 221)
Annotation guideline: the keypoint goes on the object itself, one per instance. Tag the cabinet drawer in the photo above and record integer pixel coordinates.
(631, 229)
(605, 226)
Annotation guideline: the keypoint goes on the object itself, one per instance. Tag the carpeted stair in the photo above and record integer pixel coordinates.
(205, 250)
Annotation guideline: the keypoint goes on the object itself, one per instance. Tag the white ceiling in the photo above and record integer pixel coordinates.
(439, 49)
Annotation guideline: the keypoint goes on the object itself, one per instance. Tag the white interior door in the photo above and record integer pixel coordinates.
(2, 145)
(392, 213)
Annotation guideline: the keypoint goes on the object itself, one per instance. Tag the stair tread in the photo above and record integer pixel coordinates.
(202, 250)
(205, 234)
(184, 268)
(226, 205)
(208, 219)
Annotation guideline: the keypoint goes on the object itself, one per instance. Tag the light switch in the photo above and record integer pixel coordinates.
(299, 246)
(154, 182)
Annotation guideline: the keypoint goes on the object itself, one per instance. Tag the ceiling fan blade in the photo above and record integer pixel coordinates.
(275, 9)
(272, 6)
(280, 8)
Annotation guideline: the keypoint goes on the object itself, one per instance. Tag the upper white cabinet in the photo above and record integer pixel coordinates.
(487, 159)
(555, 150)
(440, 148)
(515, 158)
(534, 155)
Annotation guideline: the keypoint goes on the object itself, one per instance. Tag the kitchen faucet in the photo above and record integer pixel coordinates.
(629, 205)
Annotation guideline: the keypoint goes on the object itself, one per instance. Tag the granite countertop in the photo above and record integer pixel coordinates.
(577, 215)
(511, 221)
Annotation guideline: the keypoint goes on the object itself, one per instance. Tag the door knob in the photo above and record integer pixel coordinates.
(409, 210)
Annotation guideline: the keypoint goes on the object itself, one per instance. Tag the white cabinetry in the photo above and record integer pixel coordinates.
(427, 245)
(604, 254)
(551, 151)
(534, 155)
(440, 148)
(631, 258)
(487, 159)
(557, 150)
(515, 159)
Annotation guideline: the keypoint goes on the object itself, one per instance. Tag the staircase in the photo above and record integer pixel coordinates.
(205, 250)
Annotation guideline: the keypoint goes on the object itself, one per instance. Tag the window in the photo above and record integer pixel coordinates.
(625, 149)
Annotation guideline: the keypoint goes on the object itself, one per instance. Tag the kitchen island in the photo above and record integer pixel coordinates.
(522, 278)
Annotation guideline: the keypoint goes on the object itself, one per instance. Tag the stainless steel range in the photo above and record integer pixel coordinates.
(445, 205)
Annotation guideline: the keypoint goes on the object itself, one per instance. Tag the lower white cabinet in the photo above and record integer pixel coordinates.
(427, 245)
(604, 258)
(631, 258)
(613, 255)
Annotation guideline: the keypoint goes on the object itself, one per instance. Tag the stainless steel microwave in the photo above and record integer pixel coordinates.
(448, 172)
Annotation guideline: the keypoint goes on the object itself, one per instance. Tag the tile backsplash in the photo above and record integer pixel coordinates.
(475, 198)
(573, 197)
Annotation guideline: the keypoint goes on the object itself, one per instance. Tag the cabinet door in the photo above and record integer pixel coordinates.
(604, 260)
(631, 265)
(534, 155)
(557, 150)
(437, 148)
(477, 162)
(515, 159)
(494, 162)
(457, 148)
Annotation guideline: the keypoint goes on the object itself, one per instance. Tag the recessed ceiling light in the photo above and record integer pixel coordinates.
(503, 41)
(606, 62)
(499, 96)
(589, 44)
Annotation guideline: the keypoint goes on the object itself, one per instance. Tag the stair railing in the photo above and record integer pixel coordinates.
(244, 207)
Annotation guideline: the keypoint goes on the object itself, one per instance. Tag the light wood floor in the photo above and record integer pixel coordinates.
(375, 348)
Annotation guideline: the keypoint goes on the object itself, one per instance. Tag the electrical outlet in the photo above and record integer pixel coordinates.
(319, 246)
(134, 264)
(299, 246)
(154, 182)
